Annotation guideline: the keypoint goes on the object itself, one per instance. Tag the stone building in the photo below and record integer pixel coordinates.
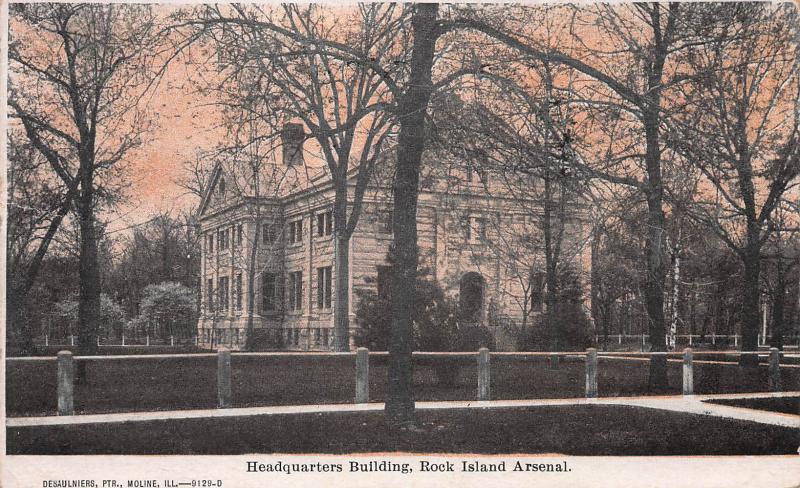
(468, 229)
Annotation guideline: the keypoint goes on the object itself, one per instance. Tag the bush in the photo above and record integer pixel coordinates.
(435, 326)
(568, 320)
(111, 315)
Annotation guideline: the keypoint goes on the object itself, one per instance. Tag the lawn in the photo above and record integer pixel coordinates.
(576, 430)
(780, 405)
(140, 384)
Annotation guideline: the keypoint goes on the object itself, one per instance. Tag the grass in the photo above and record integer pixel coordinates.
(575, 430)
(142, 384)
(780, 405)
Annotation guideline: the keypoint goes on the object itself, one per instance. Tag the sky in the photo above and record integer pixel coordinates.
(187, 124)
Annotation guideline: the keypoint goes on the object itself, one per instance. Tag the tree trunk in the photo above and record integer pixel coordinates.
(251, 284)
(89, 272)
(341, 307)
(776, 338)
(750, 319)
(656, 271)
(412, 108)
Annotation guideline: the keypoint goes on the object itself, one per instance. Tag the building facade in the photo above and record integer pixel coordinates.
(274, 246)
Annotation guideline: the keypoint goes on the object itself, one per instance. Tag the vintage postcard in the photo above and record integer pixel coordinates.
(373, 244)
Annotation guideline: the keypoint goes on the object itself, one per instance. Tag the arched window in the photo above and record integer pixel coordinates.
(222, 187)
(471, 296)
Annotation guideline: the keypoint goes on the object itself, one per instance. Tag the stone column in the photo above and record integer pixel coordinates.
(484, 375)
(66, 378)
(591, 373)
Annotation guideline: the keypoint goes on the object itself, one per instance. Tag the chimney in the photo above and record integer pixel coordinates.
(292, 136)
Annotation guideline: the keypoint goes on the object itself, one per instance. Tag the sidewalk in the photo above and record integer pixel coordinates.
(687, 404)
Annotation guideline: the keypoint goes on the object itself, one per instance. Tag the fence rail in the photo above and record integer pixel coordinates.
(692, 339)
(66, 369)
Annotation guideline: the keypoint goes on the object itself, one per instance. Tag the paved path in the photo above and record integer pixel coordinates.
(688, 404)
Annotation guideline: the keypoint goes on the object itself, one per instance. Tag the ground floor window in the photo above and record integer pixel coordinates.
(324, 287)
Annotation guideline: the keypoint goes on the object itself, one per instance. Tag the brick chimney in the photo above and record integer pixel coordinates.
(292, 137)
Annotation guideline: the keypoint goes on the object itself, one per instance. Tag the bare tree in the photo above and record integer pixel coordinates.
(38, 203)
(741, 130)
(306, 64)
(79, 71)
(629, 78)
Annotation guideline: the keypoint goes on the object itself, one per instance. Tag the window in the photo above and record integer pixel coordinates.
(537, 286)
(295, 231)
(325, 337)
(384, 281)
(210, 295)
(268, 233)
(324, 224)
(223, 293)
(210, 242)
(269, 291)
(237, 240)
(238, 291)
(472, 171)
(222, 240)
(324, 287)
(385, 221)
(222, 187)
(296, 290)
(476, 230)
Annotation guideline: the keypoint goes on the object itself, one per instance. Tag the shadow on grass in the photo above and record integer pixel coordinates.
(576, 430)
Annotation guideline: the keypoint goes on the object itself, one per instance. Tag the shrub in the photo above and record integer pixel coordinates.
(435, 326)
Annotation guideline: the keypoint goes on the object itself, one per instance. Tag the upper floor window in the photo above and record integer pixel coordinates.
(223, 239)
(269, 233)
(210, 242)
(476, 229)
(238, 236)
(296, 231)
(475, 175)
(324, 223)
(222, 187)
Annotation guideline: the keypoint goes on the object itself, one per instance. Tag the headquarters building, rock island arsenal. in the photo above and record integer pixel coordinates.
(464, 219)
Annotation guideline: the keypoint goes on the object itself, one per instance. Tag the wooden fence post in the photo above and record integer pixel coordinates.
(66, 378)
(223, 378)
(171, 341)
(484, 375)
(774, 369)
(148, 340)
(688, 372)
(591, 373)
(362, 375)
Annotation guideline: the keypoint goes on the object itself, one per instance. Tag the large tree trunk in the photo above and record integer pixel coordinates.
(341, 308)
(412, 107)
(750, 317)
(654, 245)
(89, 272)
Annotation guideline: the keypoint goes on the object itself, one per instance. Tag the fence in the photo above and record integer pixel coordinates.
(123, 341)
(690, 339)
(66, 369)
